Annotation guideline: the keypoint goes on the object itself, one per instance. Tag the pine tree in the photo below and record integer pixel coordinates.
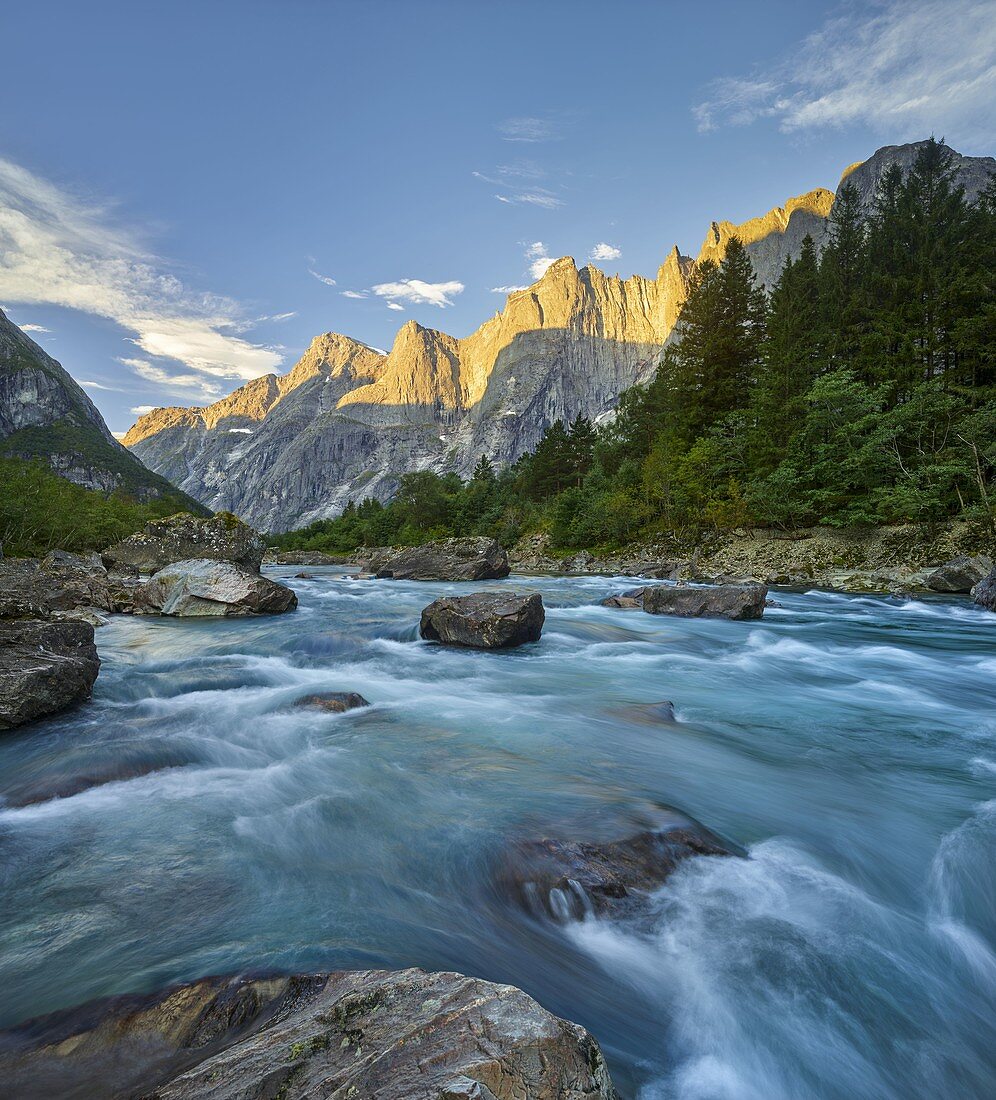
(841, 269)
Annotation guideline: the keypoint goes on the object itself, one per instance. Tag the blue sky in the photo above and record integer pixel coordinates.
(189, 192)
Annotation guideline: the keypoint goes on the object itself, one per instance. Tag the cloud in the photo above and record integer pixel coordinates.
(528, 129)
(603, 251)
(59, 249)
(326, 279)
(89, 384)
(354, 293)
(520, 186)
(394, 305)
(537, 197)
(538, 260)
(33, 328)
(281, 316)
(419, 293)
(185, 385)
(507, 289)
(141, 410)
(905, 68)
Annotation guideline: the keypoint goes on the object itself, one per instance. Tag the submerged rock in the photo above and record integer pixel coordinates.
(183, 537)
(336, 702)
(392, 1035)
(45, 667)
(470, 559)
(484, 620)
(727, 601)
(984, 593)
(567, 880)
(202, 587)
(632, 598)
(961, 574)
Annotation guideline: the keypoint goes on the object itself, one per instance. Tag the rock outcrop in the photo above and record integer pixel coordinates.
(223, 537)
(203, 587)
(54, 586)
(484, 620)
(961, 574)
(392, 1035)
(984, 593)
(467, 559)
(724, 601)
(45, 667)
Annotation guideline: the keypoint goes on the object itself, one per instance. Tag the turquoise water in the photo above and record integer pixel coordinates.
(848, 743)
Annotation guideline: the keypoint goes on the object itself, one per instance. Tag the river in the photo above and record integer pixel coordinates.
(847, 743)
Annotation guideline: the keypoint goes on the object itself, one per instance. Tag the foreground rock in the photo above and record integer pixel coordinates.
(726, 601)
(484, 620)
(54, 586)
(984, 593)
(335, 702)
(961, 574)
(183, 537)
(45, 667)
(471, 559)
(565, 880)
(203, 587)
(382, 1035)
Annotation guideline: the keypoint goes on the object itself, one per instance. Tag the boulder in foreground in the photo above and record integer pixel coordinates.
(203, 587)
(45, 667)
(484, 620)
(382, 1035)
(182, 537)
(724, 601)
(470, 559)
(961, 574)
(984, 593)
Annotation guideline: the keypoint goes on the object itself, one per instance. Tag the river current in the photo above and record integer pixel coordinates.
(205, 825)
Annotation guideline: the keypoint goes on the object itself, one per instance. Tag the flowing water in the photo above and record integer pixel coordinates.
(204, 825)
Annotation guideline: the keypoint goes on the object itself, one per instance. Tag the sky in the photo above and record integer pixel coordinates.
(190, 192)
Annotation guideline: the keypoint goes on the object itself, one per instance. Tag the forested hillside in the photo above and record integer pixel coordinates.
(861, 391)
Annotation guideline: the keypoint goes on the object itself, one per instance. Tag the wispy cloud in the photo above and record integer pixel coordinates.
(354, 293)
(520, 185)
(326, 279)
(281, 316)
(141, 410)
(538, 259)
(183, 385)
(904, 67)
(418, 292)
(528, 129)
(394, 305)
(604, 251)
(59, 249)
(33, 328)
(538, 196)
(89, 384)
(507, 289)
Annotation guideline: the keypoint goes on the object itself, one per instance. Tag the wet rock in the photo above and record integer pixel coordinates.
(336, 702)
(728, 601)
(470, 559)
(652, 713)
(484, 620)
(566, 880)
(304, 576)
(183, 537)
(961, 574)
(304, 557)
(984, 593)
(45, 667)
(57, 584)
(385, 1035)
(203, 587)
(632, 598)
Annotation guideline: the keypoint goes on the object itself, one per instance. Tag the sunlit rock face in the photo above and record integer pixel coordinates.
(347, 421)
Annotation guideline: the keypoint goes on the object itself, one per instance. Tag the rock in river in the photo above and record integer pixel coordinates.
(205, 587)
(961, 574)
(335, 702)
(984, 593)
(470, 559)
(182, 537)
(724, 601)
(374, 1034)
(484, 620)
(44, 667)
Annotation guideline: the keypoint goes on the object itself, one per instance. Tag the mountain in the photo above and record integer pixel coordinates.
(45, 414)
(347, 421)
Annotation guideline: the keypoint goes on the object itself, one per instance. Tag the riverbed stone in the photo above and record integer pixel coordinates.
(45, 667)
(184, 537)
(377, 1034)
(628, 600)
(984, 593)
(726, 601)
(961, 574)
(335, 702)
(465, 559)
(484, 620)
(204, 587)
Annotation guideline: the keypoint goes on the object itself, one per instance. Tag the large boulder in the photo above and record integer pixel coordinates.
(203, 587)
(961, 574)
(484, 620)
(53, 586)
(470, 559)
(984, 593)
(382, 1035)
(564, 880)
(44, 668)
(182, 537)
(724, 601)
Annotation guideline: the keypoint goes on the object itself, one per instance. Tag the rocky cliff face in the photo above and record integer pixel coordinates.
(346, 422)
(44, 414)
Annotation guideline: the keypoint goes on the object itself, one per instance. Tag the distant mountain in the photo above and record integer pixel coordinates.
(45, 414)
(347, 421)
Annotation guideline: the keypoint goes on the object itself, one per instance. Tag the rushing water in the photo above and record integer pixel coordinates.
(848, 743)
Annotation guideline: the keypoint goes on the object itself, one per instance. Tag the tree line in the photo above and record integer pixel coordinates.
(861, 390)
